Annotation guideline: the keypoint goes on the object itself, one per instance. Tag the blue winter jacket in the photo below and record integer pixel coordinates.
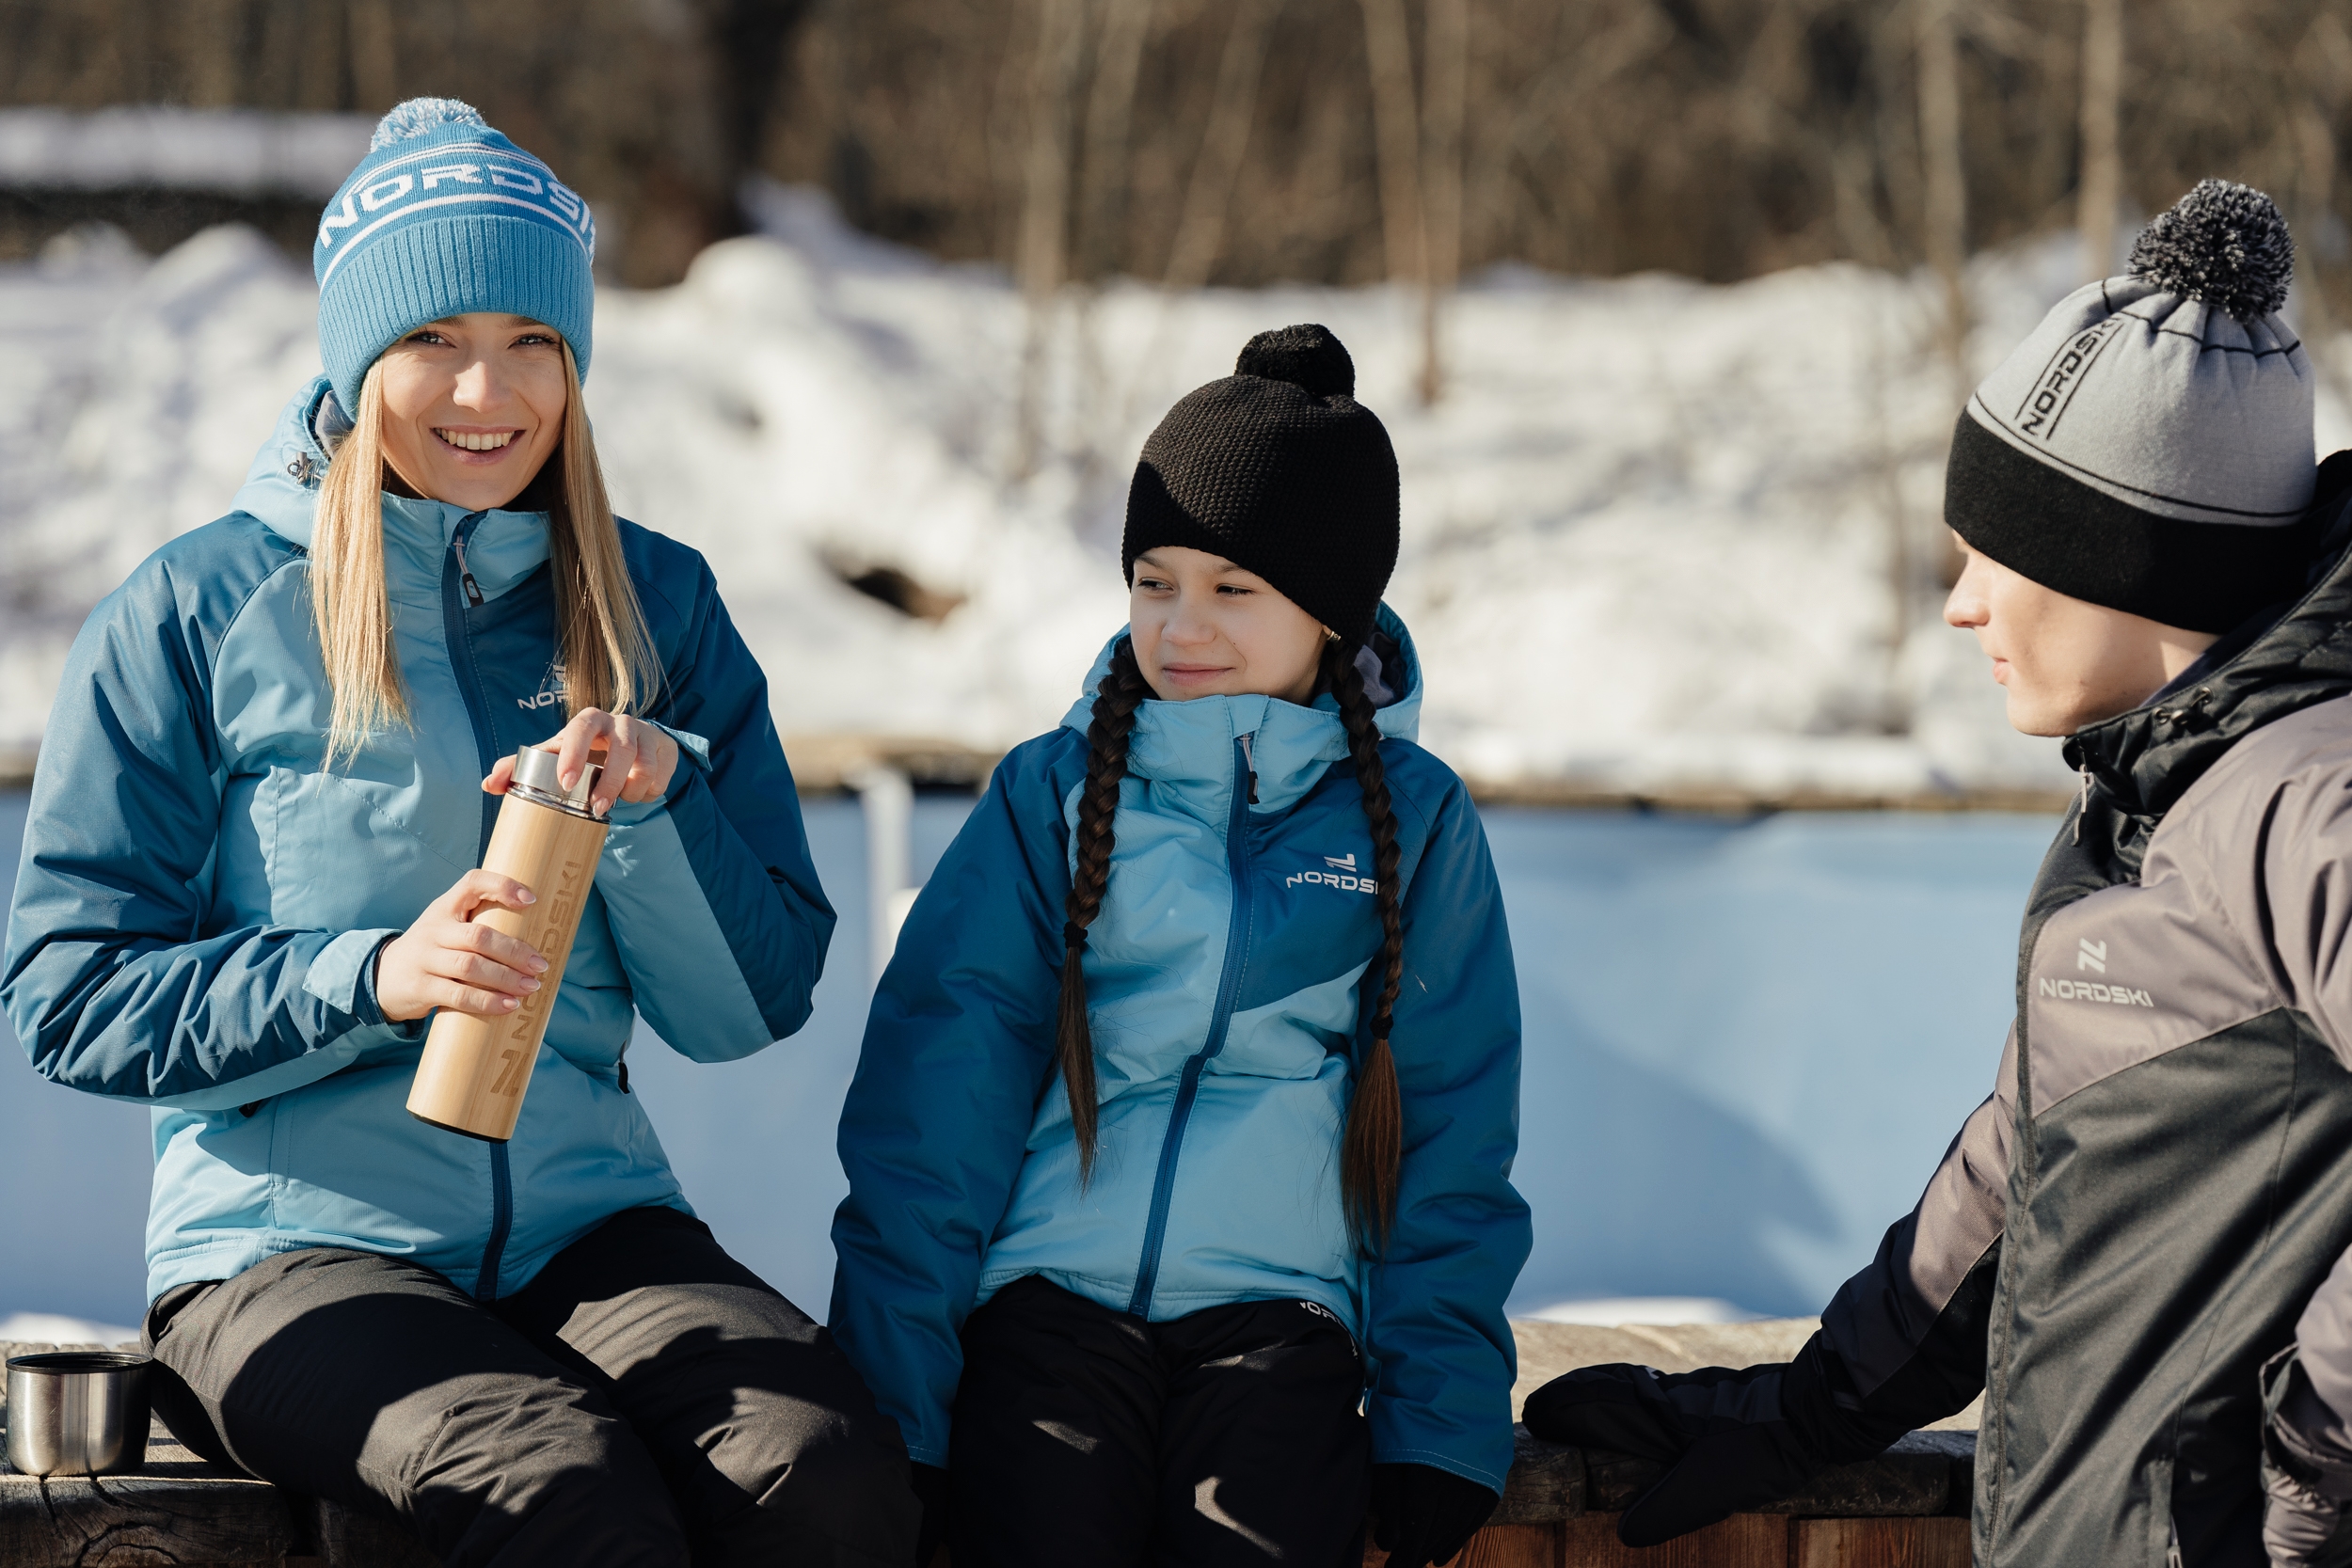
(1223, 994)
(201, 899)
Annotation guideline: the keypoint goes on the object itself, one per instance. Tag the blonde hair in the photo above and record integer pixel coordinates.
(607, 654)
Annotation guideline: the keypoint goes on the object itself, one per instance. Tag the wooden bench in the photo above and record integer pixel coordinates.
(1906, 1508)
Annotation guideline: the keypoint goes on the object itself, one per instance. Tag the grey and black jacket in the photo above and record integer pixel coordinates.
(2152, 1202)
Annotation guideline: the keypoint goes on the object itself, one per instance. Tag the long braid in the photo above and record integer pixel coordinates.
(1121, 692)
(1374, 1147)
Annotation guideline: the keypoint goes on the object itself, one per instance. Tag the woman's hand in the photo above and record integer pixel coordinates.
(446, 960)
(639, 757)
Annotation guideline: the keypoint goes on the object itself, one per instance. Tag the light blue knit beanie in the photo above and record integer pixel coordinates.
(445, 215)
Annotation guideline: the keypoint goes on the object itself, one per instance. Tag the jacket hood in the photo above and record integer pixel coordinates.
(1290, 746)
(2278, 663)
(281, 489)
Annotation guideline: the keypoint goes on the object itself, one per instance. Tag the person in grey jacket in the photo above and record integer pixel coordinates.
(2137, 1246)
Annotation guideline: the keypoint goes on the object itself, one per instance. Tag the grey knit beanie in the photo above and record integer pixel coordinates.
(2148, 447)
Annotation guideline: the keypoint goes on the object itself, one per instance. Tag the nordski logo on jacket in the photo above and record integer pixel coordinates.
(1341, 875)
(2093, 990)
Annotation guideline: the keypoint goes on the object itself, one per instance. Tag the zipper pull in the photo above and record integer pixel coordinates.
(473, 589)
(1251, 764)
(2083, 809)
(623, 1065)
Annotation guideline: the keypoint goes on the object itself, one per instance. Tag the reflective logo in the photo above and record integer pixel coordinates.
(1342, 878)
(2092, 991)
(2091, 955)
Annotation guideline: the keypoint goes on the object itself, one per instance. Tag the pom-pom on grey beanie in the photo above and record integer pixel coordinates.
(2148, 447)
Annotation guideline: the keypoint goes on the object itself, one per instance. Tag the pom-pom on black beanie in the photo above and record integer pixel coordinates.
(1277, 468)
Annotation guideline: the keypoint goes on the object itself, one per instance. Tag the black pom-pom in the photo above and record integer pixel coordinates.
(1305, 355)
(2223, 243)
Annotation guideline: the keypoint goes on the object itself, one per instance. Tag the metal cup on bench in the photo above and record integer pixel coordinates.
(77, 1413)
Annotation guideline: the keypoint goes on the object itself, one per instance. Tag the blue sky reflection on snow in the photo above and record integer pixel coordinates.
(1747, 1045)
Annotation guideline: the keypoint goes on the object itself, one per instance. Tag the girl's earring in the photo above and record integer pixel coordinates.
(1330, 636)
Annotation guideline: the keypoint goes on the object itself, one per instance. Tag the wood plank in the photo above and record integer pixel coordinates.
(1879, 1543)
(169, 1513)
(1546, 1483)
(1497, 1547)
(1742, 1541)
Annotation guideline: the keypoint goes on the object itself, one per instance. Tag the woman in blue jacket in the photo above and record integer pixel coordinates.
(247, 885)
(1252, 929)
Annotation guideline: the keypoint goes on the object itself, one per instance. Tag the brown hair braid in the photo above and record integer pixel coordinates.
(1374, 1147)
(1121, 692)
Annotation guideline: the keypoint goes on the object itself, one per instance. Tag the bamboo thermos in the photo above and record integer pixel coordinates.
(474, 1069)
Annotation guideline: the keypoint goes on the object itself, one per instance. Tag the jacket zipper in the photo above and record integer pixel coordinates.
(458, 591)
(1228, 992)
(465, 578)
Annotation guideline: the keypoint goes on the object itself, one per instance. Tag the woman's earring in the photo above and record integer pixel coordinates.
(1330, 636)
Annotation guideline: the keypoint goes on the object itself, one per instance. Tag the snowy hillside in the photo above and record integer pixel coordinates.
(1648, 531)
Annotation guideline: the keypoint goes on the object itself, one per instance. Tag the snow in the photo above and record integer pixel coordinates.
(236, 152)
(52, 1328)
(1647, 529)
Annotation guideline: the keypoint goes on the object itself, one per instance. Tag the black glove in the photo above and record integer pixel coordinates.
(1422, 1515)
(1732, 1440)
(930, 1490)
(2307, 1473)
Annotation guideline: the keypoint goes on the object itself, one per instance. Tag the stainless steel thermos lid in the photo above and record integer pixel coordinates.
(535, 775)
(77, 1413)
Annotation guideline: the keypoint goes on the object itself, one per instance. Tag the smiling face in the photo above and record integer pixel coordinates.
(1205, 627)
(472, 406)
(2065, 662)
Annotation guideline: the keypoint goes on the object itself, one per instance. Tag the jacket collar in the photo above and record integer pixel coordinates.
(281, 488)
(1186, 749)
(2280, 662)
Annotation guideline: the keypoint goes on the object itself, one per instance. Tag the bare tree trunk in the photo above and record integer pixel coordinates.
(1233, 106)
(374, 55)
(1110, 117)
(2328, 52)
(1944, 176)
(1042, 259)
(1396, 135)
(1447, 97)
(2099, 189)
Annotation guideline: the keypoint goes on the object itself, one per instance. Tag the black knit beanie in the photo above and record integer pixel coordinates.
(1279, 469)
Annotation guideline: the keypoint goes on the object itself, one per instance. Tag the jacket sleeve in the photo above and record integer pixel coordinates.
(115, 980)
(2299, 898)
(1442, 1351)
(959, 1047)
(1909, 1330)
(714, 903)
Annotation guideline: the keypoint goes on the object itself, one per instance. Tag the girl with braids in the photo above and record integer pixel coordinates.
(1180, 1219)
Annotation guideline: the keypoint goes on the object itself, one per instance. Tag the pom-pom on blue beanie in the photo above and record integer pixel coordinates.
(444, 216)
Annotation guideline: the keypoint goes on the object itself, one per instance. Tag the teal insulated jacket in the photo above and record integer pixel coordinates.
(1224, 986)
(201, 899)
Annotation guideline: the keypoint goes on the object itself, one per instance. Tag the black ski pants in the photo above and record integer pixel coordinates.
(1088, 1438)
(645, 1399)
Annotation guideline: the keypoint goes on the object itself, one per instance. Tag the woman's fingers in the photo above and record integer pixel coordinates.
(502, 776)
(656, 760)
(590, 731)
(467, 999)
(480, 890)
(487, 974)
(627, 765)
(490, 942)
